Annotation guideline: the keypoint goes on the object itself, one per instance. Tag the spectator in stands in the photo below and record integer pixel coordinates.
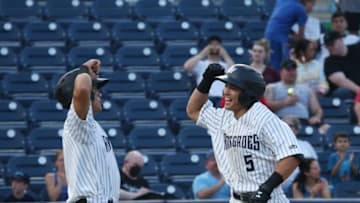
(342, 66)
(351, 8)
(56, 184)
(309, 71)
(306, 148)
(210, 184)
(214, 52)
(357, 107)
(20, 183)
(260, 54)
(133, 185)
(342, 164)
(309, 183)
(338, 24)
(286, 98)
(284, 16)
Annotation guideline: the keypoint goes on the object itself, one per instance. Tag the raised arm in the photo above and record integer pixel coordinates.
(200, 94)
(191, 62)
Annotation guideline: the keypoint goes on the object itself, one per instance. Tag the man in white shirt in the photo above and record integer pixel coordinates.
(214, 52)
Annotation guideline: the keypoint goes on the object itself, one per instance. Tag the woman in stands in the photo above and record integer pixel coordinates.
(260, 54)
(56, 183)
(309, 183)
(309, 71)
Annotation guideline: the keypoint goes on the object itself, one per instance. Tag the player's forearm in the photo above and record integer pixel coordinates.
(195, 103)
(286, 166)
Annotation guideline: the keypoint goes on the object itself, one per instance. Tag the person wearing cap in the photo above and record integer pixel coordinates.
(286, 97)
(342, 66)
(91, 168)
(19, 185)
(210, 184)
(213, 52)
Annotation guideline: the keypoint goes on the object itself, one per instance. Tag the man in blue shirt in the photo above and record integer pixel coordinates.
(211, 184)
(285, 14)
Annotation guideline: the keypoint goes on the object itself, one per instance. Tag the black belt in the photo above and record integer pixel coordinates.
(243, 196)
(84, 201)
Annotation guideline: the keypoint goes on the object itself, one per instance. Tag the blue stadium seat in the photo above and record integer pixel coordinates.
(12, 115)
(182, 167)
(45, 140)
(157, 139)
(117, 138)
(47, 113)
(110, 10)
(154, 11)
(169, 190)
(175, 55)
(11, 141)
(8, 60)
(238, 52)
(124, 86)
(312, 135)
(240, 10)
(176, 31)
(132, 32)
(335, 111)
(5, 191)
(177, 114)
(44, 34)
(25, 86)
(36, 166)
(47, 60)
(110, 114)
(323, 158)
(23, 10)
(349, 189)
(197, 11)
(254, 30)
(66, 10)
(10, 34)
(194, 139)
(89, 33)
(169, 85)
(228, 31)
(138, 58)
(143, 112)
(78, 55)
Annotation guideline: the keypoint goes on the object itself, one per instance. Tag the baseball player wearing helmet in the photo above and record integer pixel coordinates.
(91, 169)
(254, 149)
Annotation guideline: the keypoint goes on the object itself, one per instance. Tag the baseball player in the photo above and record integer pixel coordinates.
(254, 149)
(90, 164)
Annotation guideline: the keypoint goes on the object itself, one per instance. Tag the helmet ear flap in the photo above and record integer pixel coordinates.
(245, 99)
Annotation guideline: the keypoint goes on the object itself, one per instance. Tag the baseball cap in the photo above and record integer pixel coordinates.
(289, 64)
(21, 176)
(331, 37)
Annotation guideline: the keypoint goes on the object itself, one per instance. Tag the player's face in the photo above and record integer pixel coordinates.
(231, 95)
(96, 103)
(258, 53)
(342, 143)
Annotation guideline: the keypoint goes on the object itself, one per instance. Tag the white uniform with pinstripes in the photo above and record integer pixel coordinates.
(247, 149)
(90, 164)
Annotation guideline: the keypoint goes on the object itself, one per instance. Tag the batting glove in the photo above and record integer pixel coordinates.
(209, 75)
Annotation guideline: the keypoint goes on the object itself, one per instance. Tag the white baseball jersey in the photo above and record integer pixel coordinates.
(90, 164)
(217, 87)
(247, 149)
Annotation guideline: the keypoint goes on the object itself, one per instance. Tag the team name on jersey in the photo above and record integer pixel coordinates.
(242, 141)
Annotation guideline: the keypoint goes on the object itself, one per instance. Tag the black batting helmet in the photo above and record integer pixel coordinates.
(65, 86)
(247, 79)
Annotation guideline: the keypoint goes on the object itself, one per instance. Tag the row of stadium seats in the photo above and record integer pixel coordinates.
(94, 32)
(131, 57)
(152, 10)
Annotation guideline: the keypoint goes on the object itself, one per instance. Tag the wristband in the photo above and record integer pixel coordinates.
(204, 86)
(272, 182)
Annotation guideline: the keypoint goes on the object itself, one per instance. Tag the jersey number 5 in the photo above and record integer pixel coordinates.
(249, 163)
